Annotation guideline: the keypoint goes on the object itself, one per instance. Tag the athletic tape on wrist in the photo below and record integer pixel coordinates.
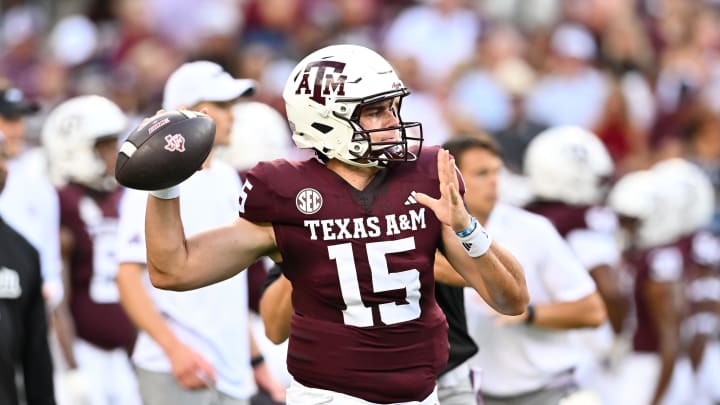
(477, 242)
(166, 193)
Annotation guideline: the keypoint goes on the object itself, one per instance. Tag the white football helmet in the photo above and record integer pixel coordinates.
(259, 133)
(692, 191)
(69, 136)
(568, 164)
(634, 195)
(638, 195)
(324, 95)
(645, 195)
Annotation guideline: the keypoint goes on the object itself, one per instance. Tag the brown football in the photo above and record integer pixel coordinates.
(165, 150)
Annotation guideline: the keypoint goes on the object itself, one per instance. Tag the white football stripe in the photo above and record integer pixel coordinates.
(128, 148)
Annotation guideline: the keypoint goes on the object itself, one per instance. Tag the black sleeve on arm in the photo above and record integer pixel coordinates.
(37, 364)
(274, 274)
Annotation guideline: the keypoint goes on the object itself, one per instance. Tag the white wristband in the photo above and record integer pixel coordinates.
(167, 193)
(477, 242)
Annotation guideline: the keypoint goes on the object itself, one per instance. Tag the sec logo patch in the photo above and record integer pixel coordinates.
(308, 201)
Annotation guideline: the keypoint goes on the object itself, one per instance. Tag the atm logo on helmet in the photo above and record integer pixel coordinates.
(328, 79)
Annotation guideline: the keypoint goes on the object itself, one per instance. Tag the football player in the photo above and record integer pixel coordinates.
(661, 211)
(356, 229)
(568, 169)
(80, 137)
(701, 248)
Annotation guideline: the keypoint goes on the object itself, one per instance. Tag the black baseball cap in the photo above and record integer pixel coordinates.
(13, 103)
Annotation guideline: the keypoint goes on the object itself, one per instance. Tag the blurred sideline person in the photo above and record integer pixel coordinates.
(663, 249)
(80, 137)
(259, 132)
(23, 322)
(568, 169)
(29, 203)
(196, 347)
(356, 230)
(530, 358)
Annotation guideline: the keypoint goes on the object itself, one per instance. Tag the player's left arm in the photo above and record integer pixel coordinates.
(489, 268)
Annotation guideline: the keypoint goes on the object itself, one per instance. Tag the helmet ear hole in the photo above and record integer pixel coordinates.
(358, 148)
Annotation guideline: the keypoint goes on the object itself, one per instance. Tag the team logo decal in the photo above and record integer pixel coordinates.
(308, 201)
(175, 143)
(328, 80)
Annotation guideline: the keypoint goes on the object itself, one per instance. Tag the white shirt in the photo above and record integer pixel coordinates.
(30, 205)
(569, 100)
(516, 358)
(438, 41)
(213, 320)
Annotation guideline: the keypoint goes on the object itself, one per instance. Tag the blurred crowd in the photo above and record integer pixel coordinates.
(642, 75)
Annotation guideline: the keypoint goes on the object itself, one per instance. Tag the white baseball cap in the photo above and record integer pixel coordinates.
(199, 81)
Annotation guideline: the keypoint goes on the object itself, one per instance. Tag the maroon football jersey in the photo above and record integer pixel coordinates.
(567, 218)
(92, 218)
(256, 273)
(361, 264)
(660, 264)
(702, 284)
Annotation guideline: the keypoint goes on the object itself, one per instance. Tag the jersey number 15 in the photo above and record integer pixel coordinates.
(357, 314)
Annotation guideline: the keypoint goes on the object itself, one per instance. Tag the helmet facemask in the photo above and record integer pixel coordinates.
(365, 151)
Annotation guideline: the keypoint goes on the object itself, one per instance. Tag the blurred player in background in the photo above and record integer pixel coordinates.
(660, 251)
(81, 136)
(701, 286)
(568, 170)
